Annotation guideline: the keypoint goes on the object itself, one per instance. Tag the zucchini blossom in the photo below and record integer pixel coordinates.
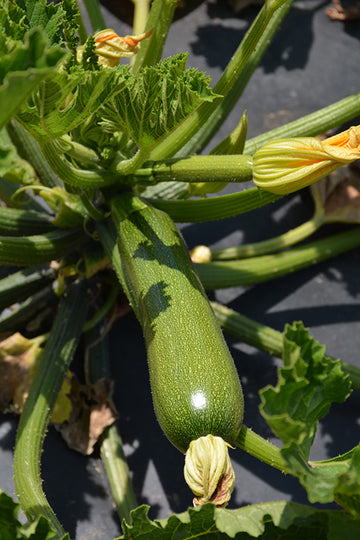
(208, 471)
(111, 48)
(287, 165)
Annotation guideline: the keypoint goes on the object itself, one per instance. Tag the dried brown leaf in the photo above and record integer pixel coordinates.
(92, 412)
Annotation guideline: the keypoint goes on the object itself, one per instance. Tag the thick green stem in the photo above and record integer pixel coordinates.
(213, 208)
(117, 471)
(249, 52)
(322, 120)
(211, 168)
(56, 358)
(86, 179)
(263, 450)
(18, 222)
(40, 248)
(111, 447)
(141, 15)
(129, 166)
(251, 332)
(78, 151)
(159, 20)
(264, 338)
(96, 17)
(29, 149)
(243, 272)
(285, 240)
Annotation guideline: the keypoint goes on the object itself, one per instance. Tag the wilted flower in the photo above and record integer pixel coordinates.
(111, 48)
(287, 165)
(208, 471)
(337, 197)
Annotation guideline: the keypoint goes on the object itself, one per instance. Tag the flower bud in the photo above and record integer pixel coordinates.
(111, 48)
(200, 254)
(208, 471)
(287, 165)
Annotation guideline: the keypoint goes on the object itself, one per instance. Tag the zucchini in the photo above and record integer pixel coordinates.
(195, 386)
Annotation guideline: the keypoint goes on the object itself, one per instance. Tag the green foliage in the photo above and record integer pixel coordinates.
(267, 521)
(308, 383)
(12, 529)
(156, 100)
(22, 67)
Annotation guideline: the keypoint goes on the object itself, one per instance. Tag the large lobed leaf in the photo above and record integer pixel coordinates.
(22, 68)
(307, 384)
(156, 100)
(270, 521)
(66, 100)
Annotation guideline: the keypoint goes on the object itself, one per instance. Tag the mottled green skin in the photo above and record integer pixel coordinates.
(195, 385)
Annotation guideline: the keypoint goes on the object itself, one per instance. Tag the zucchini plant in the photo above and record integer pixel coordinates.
(100, 161)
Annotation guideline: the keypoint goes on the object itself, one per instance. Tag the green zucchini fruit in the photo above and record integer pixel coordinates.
(195, 386)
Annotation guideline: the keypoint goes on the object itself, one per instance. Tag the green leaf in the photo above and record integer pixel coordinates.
(48, 16)
(270, 521)
(156, 100)
(12, 21)
(307, 384)
(12, 529)
(22, 67)
(347, 489)
(66, 100)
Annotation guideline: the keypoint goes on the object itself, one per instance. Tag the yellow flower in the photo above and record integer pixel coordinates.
(208, 471)
(111, 48)
(287, 165)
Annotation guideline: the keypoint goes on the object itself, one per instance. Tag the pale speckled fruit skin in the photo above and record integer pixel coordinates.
(195, 386)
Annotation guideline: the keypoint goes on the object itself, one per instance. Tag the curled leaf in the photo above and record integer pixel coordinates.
(92, 411)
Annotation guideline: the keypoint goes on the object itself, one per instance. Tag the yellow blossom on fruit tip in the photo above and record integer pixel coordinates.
(111, 48)
(208, 471)
(287, 165)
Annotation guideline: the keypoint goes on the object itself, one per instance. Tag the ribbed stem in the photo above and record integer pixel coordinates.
(211, 168)
(213, 208)
(264, 338)
(322, 120)
(141, 14)
(160, 18)
(285, 240)
(56, 358)
(18, 222)
(263, 450)
(253, 333)
(111, 447)
(96, 17)
(23, 283)
(39, 248)
(30, 150)
(218, 275)
(86, 179)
